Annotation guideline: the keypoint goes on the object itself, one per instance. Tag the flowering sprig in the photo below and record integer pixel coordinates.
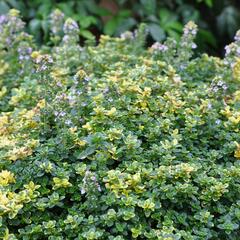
(10, 27)
(42, 61)
(218, 87)
(24, 52)
(90, 183)
(70, 27)
(177, 53)
(124, 140)
(56, 21)
(233, 49)
(159, 47)
(187, 43)
(232, 56)
(71, 31)
(127, 35)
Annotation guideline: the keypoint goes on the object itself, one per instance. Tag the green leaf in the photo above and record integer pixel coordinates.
(175, 26)
(173, 34)
(34, 25)
(93, 8)
(156, 32)
(4, 8)
(189, 13)
(44, 9)
(150, 6)
(85, 153)
(166, 17)
(86, 34)
(207, 37)
(111, 26)
(209, 3)
(125, 25)
(14, 3)
(86, 21)
(66, 8)
(228, 20)
(124, 13)
(45, 26)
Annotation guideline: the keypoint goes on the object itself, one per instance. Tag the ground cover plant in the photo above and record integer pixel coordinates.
(117, 141)
(218, 20)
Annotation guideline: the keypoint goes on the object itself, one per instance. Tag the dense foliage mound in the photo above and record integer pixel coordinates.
(116, 141)
(218, 20)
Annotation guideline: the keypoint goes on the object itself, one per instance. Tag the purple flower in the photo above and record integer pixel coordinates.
(43, 62)
(224, 86)
(209, 105)
(83, 191)
(24, 52)
(70, 27)
(194, 46)
(237, 36)
(59, 84)
(215, 89)
(190, 29)
(228, 49)
(99, 188)
(68, 122)
(90, 182)
(106, 90)
(238, 51)
(87, 79)
(66, 39)
(93, 178)
(62, 114)
(10, 27)
(159, 47)
(232, 49)
(127, 35)
(56, 21)
(3, 19)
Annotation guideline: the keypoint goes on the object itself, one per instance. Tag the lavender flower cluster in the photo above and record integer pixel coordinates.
(218, 86)
(127, 35)
(190, 29)
(159, 47)
(135, 34)
(70, 27)
(70, 99)
(232, 51)
(10, 26)
(43, 62)
(71, 31)
(60, 115)
(189, 33)
(90, 181)
(24, 52)
(56, 21)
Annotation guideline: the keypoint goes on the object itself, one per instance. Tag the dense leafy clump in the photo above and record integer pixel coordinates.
(116, 141)
(218, 20)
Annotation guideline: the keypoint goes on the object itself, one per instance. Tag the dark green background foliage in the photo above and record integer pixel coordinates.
(218, 19)
(131, 143)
